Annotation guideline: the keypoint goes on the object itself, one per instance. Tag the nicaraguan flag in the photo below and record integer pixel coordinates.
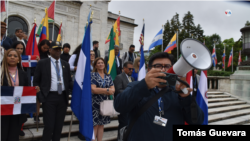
(81, 102)
(157, 40)
(142, 69)
(201, 96)
(18, 100)
(29, 60)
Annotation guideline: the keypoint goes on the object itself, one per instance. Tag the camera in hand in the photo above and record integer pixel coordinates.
(170, 78)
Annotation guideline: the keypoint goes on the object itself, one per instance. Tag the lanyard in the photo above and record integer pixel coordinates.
(3, 40)
(57, 71)
(13, 78)
(103, 80)
(160, 103)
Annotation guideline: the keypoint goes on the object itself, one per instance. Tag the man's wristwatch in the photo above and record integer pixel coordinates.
(107, 89)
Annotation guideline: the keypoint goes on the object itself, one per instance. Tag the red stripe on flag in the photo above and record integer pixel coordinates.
(170, 48)
(29, 91)
(7, 109)
(25, 64)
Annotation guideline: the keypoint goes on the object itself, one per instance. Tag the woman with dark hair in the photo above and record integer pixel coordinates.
(19, 46)
(43, 48)
(101, 86)
(65, 55)
(73, 60)
(12, 75)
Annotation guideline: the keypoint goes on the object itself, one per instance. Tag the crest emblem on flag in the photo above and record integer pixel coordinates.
(17, 100)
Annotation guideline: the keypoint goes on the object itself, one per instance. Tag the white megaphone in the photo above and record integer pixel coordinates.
(194, 55)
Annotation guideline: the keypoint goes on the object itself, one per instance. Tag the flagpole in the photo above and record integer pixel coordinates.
(53, 22)
(177, 45)
(7, 19)
(224, 57)
(162, 39)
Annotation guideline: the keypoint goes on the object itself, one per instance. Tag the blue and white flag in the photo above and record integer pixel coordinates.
(157, 40)
(142, 69)
(201, 96)
(81, 102)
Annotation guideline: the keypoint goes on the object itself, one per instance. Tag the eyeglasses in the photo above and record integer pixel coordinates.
(130, 69)
(159, 66)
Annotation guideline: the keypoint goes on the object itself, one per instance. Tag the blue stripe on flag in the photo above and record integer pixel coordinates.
(157, 40)
(25, 57)
(33, 64)
(28, 108)
(202, 104)
(7, 91)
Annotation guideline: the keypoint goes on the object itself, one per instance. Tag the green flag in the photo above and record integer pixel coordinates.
(111, 65)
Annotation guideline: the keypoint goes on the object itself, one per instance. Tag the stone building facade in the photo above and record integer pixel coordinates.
(73, 15)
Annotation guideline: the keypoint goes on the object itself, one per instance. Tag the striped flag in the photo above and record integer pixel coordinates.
(111, 65)
(157, 40)
(230, 59)
(81, 103)
(29, 60)
(45, 29)
(3, 6)
(223, 59)
(239, 59)
(142, 69)
(214, 57)
(201, 96)
(18, 100)
(32, 48)
(116, 29)
(171, 44)
(59, 38)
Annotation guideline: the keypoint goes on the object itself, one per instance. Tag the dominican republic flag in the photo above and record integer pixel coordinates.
(230, 58)
(223, 59)
(18, 100)
(201, 96)
(142, 69)
(29, 61)
(214, 57)
(81, 102)
(31, 48)
(157, 40)
(239, 59)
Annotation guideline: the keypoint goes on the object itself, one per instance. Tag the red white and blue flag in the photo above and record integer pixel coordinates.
(214, 57)
(239, 59)
(18, 100)
(201, 96)
(223, 59)
(31, 48)
(230, 59)
(29, 61)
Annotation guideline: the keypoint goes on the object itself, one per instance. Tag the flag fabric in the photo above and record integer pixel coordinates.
(239, 59)
(41, 26)
(230, 59)
(142, 68)
(32, 48)
(81, 103)
(223, 59)
(45, 29)
(214, 57)
(189, 78)
(157, 40)
(51, 10)
(59, 38)
(3, 6)
(201, 97)
(171, 44)
(29, 60)
(18, 100)
(116, 29)
(111, 65)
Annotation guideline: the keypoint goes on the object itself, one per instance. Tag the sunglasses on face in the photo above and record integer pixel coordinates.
(130, 69)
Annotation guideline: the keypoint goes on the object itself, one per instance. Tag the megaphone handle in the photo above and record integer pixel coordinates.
(184, 90)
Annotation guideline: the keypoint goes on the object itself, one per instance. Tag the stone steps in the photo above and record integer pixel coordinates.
(233, 121)
(227, 115)
(33, 134)
(221, 99)
(212, 93)
(218, 96)
(227, 108)
(228, 103)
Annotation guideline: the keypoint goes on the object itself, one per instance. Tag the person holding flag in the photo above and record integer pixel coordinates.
(173, 107)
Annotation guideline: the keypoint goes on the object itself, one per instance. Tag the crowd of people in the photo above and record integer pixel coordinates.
(53, 78)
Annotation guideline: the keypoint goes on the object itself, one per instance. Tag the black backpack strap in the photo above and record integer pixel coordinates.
(142, 110)
(125, 56)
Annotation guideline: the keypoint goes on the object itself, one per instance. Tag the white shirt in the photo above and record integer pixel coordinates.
(22, 40)
(117, 61)
(54, 81)
(72, 61)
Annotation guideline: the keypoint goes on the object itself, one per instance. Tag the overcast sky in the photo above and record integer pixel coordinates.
(209, 14)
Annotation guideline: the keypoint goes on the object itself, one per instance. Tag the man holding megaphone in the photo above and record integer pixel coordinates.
(158, 102)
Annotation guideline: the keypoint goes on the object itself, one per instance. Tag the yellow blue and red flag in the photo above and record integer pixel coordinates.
(171, 44)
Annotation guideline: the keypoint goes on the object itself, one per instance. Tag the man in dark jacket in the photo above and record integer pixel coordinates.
(174, 107)
(6, 42)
